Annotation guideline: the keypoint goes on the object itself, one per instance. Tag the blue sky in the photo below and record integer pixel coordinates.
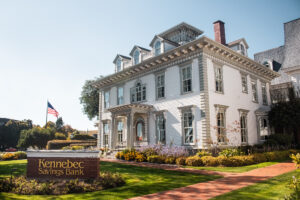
(49, 48)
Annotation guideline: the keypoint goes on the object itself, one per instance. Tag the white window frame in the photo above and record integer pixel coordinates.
(120, 132)
(120, 99)
(136, 60)
(161, 121)
(221, 127)
(186, 80)
(106, 101)
(263, 127)
(188, 127)
(157, 49)
(119, 65)
(139, 89)
(254, 90)
(244, 130)
(244, 80)
(160, 84)
(219, 84)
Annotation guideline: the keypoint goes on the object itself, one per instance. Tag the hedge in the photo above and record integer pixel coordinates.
(59, 144)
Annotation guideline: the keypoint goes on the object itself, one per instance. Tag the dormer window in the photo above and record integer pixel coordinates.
(157, 48)
(242, 49)
(136, 57)
(119, 65)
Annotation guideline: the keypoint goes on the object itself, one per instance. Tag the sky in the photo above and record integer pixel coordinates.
(49, 48)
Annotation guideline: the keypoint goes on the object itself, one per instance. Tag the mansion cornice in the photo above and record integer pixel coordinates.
(203, 44)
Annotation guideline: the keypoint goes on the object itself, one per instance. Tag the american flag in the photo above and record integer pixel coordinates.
(52, 111)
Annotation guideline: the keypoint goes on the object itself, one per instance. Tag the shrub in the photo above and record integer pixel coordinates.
(110, 180)
(120, 155)
(139, 157)
(156, 159)
(130, 155)
(60, 136)
(296, 159)
(170, 160)
(73, 148)
(82, 137)
(203, 153)
(259, 157)
(295, 187)
(180, 161)
(231, 152)
(5, 185)
(210, 161)
(20, 155)
(59, 144)
(9, 156)
(194, 161)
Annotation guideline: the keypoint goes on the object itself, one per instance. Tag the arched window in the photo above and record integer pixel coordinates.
(119, 65)
(136, 57)
(138, 92)
(157, 48)
(140, 130)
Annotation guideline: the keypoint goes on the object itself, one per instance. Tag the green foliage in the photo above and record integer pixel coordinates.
(170, 160)
(295, 186)
(10, 132)
(73, 148)
(285, 118)
(82, 137)
(203, 153)
(59, 124)
(21, 185)
(20, 155)
(193, 161)
(36, 137)
(156, 159)
(279, 139)
(90, 99)
(231, 152)
(180, 161)
(60, 136)
(296, 159)
(59, 144)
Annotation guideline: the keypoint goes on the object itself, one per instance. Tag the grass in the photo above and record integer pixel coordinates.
(139, 181)
(235, 169)
(274, 188)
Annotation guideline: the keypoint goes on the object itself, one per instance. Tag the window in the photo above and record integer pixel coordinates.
(263, 128)
(186, 74)
(161, 129)
(106, 99)
(136, 57)
(221, 122)
(140, 130)
(119, 65)
(105, 133)
(244, 128)
(264, 94)
(120, 132)
(120, 99)
(244, 83)
(243, 50)
(138, 93)
(188, 127)
(254, 91)
(157, 48)
(219, 79)
(160, 86)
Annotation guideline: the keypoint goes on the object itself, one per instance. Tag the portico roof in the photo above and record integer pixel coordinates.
(130, 107)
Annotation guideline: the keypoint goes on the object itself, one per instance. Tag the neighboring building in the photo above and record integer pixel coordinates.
(285, 60)
(187, 90)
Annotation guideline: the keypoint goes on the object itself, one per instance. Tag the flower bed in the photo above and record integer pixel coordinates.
(21, 185)
(13, 155)
(227, 158)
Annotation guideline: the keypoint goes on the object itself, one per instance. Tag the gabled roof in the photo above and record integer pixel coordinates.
(163, 39)
(179, 26)
(238, 41)
(122, 57)
(139, 48)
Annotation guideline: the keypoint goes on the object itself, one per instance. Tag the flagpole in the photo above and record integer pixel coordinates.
(46, 114)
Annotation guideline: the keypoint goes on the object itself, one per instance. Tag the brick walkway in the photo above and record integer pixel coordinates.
(207, 190)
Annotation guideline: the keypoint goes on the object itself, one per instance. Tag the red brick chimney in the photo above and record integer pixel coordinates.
(219, 29)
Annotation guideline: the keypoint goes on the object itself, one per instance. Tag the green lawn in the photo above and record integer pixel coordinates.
(235, 169)
(274, 188)
(139, 181)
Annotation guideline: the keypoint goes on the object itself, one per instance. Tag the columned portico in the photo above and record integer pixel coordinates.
(129, 125)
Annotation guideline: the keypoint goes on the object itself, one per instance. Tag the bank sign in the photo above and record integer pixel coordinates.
(67, 168)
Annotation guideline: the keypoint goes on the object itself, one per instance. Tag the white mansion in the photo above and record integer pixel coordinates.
(187, 90)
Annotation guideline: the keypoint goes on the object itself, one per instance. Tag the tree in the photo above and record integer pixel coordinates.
(59, 124)
(284, 117)
(10, 132)
(90, 99)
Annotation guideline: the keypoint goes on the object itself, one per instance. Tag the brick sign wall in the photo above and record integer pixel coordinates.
(65, 168)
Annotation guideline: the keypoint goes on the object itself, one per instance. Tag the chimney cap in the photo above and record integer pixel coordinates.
(219, 21)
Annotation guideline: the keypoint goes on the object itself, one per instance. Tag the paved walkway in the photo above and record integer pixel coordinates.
(207, 190)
